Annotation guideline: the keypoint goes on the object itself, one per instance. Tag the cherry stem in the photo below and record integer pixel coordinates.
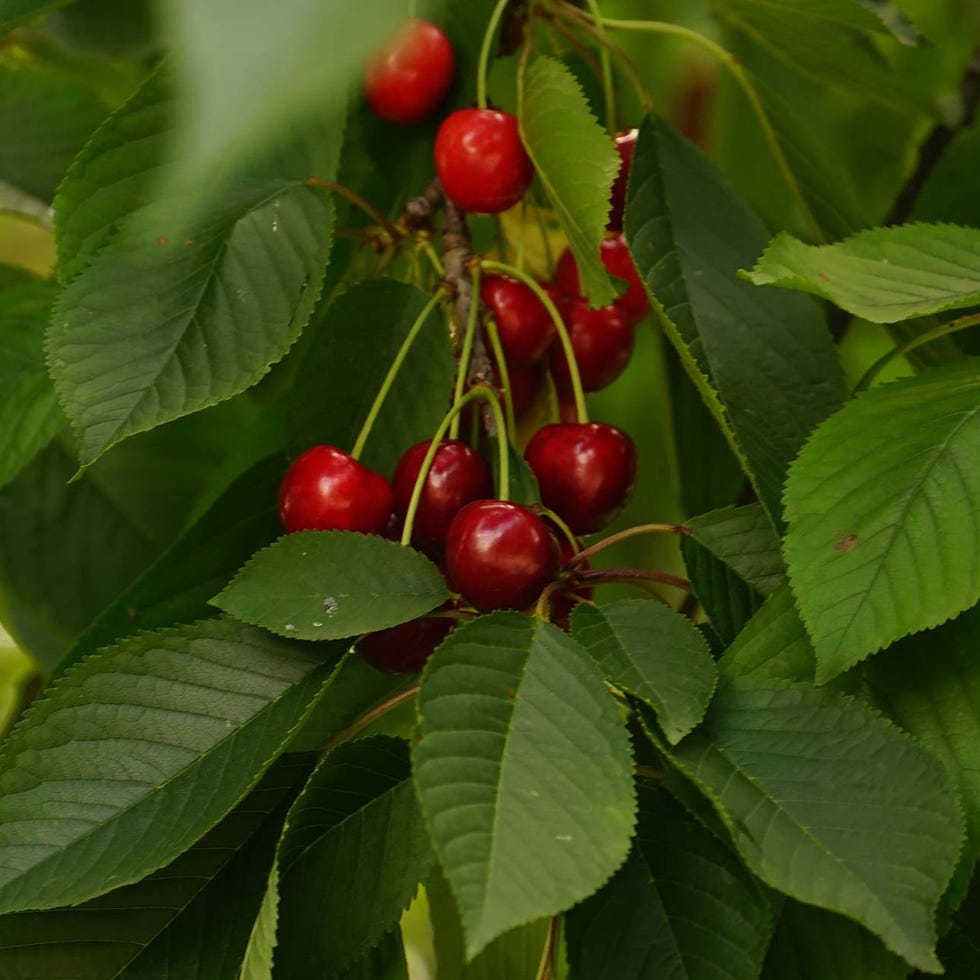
(943, 330)
(355, 198)
(542, 608)
(563, 527)
(479, 392)
(463, 367)
(482, 67)
(581, 412)
(389, 380)
(606, 66)
(743, 81)
(493, 335)
(430, 254)
(369, 717)
(631, 532)
(599, 576)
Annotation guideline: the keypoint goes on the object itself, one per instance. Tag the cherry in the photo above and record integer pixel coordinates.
(564, 600)
(499, 555)
(625, 145)
(523, 322)
(615, 255)
(585, 471)
(481, 160)
(411, 74)
(404, 649)
(457, 476)
(602, 341)
(327, 489)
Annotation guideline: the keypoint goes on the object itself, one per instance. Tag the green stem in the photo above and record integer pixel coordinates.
(469, 338)
(566, 341)
(493, 335)
(608, 93)
(369, 717)
(632, 576)
(379, 398)
(631, 532)
(483, 64)
(943, 330)
(479, 392)
(745, 84)
(372, 212)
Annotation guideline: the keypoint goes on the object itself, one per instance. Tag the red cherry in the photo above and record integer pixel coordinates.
(481, 160)
(499, 555)
(615, 255)
(602, 340)
(411, 74)
(404, 649)
(585, 471)
(524, 384)
(625, 145)
(523, 322)
(457, 476)
(326, 489)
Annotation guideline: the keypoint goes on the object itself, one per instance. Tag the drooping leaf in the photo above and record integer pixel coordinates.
(868, 16)
(768, 370)
(357, 340)
(884, 274)
(29, 416)
(178, 725)
(733, 561)
(653, 653)
(523, 771)
(46, 116)
(811, 944)
(16, 12)
(830, 804)
(257, 961)
(386, 961)
(127, 931)
(170, 318)
(576, 162)
(356, 826)
(884, 539)
(327, 585)
(682, 907)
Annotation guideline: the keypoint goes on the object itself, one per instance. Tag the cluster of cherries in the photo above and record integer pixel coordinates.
(495, 554)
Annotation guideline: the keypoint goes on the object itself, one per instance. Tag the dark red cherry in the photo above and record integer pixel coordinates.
(499, 555)
(411, 74)
(523, 322)
(615, 255)
(625, 145)
(481, 160)
(326, 489)
(457, 476)
(602, 341)
(585, 471)
(404, 649)
(524, 384)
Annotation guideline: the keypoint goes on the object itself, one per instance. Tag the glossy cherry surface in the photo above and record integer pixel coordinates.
(411, 74)
(602, 341)
(481, 160)
(458, 475)
(404, 649)
(326, 489)
(499, 555)
(585, 471)
(625, 145)
(525, 327)
(615, 255)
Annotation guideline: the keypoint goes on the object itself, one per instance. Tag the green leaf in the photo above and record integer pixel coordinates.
(258, 959)
(883, 537)
(830, 804)
(681, 907)
(129, 930)
(575, 160)
(733, 561)
(653, 653)
(884, 274)
(811, 944)
(386, 961)
(169, 319)
(236, 103)
(46, 117)
(767, 369)
(774, 645)
(357, 340)
(357, 826)
(868, 16)
(126, 739)
(930, 684)
(327, 585)
(16, 12)
(29, 415)
(523, 771)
